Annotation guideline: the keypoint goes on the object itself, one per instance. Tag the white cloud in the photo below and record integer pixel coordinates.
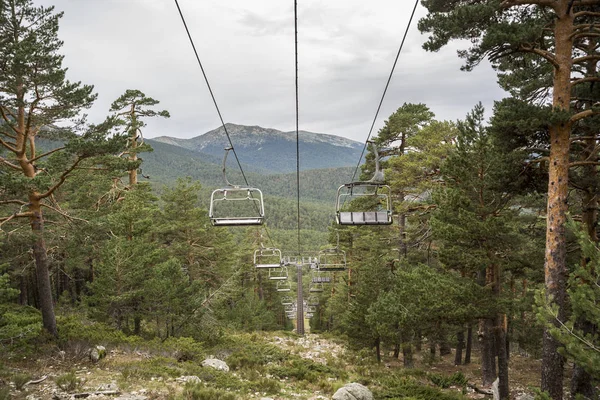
(346, 50)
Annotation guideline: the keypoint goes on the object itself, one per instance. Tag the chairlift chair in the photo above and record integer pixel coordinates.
(283, 286)
(311, 309)
(287, 301)
(309, 315)
(315, 288)
(235, 205)
(267, 257)
(313, 301)
(332, 259)
(364, 203)
(278, 274)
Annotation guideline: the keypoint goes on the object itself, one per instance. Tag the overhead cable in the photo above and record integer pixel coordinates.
(386, 88)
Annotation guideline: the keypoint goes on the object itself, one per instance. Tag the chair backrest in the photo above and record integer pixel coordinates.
(234, 206)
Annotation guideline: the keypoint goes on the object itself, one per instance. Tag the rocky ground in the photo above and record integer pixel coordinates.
(135, 374)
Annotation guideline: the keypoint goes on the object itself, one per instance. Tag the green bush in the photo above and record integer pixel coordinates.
(302, 369)
(68, 382)
(4, 393)
(196, 391)
(19, 326)
(183, 348)
(253, 354)
(456, 379)
(406, 388)
(20, 380)
(265, 385)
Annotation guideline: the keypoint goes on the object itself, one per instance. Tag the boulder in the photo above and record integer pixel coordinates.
(353, 391)
(97, 353)
(216, 364)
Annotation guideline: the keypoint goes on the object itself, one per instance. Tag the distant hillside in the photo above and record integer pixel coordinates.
(167, 163)
(272, 150)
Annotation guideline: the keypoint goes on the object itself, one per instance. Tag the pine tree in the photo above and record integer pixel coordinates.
(35, 96)
(530, 38)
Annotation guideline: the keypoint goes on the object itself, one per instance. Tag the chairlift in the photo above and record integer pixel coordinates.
(278, 274)
(313, 301)
(333, 258)
(267, 257)
(287, 301)
(310, 309)
(316, 288)
(365, 203)
(309, 315)
(283, 286)
(317, 277)
(236, 205)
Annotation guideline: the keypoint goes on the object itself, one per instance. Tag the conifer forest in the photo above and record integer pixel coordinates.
(459, 259)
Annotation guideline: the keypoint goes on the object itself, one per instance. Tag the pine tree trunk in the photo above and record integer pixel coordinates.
(407, 354)
(460, 344)
(502, 358)
(44, 287)
(23, 292)
(469, 344)
(378, 349)
(556, 249)
(488, 359)
(396, 350)
(445, 348)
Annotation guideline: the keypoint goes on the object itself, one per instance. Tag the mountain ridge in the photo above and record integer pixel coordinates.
(274, 150)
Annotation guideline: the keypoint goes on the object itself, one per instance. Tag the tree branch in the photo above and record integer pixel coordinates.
(61, 180)
(20, 202)
(8, 146)
(64, 214)
(583, 114)
(583, 163)
(9, 164)
(47, 154)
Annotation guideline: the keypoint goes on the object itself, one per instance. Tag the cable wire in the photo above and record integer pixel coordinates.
(386, 88)
(297, 118)
(215, 103)
(211, 92)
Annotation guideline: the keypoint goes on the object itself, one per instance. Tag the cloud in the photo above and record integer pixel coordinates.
(346, 51)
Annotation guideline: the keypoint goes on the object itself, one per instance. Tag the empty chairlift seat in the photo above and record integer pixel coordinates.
(267, 257)
(364, 203)
(332, 259)
(236, 206)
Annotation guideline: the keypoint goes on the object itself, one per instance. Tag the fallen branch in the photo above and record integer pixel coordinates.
(33, 382)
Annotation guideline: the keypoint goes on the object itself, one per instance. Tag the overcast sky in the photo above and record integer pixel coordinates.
(346, 51)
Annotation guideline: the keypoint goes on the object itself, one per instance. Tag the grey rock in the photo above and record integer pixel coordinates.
(353, 391)
(524, 396)
(216, 364)
(496, 389)
(188, 378)
(97, 353)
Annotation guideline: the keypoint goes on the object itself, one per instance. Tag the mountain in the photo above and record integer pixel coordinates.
(274, 151)
(168, 162)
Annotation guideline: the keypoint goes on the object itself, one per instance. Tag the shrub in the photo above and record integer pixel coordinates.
(68, 382)
(19, 326)
(196, 391)
(456, 379)
(20, 380)
(4, 393)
